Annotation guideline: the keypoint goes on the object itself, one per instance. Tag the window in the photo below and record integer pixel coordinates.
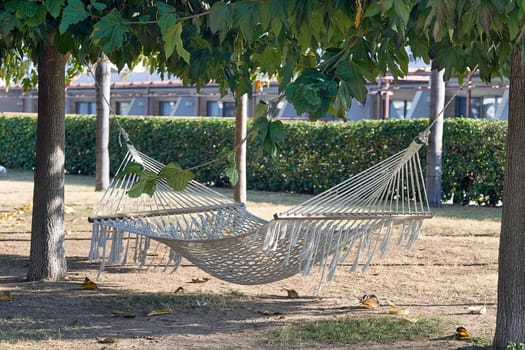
(475, 107)
(220, 109)
(399, 108)
(123, 107)
(490, 106)
(167, 107)
(84, 107)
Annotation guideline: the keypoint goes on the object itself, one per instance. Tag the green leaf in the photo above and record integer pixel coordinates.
(109, 31)
(401, 9)
(171, 169)
(245, 15)
(220, 17)
(73, 13)
(176, 177)
(54, 7)
(180, 181)
(261, 125)
(136, 190)
(266, 15)
(172, 39)
(31, 13)
(97, 6)
(277, 131)
(232, 174)
(387, 5)
(131, 168)
(146, 184)
(372, 10)
(27, 9)
(261, 109)
(167, 17)
(269, 60)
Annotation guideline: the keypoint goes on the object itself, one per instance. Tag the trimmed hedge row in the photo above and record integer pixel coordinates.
(315, 156)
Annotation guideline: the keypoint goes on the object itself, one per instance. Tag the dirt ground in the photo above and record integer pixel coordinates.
(453, 265)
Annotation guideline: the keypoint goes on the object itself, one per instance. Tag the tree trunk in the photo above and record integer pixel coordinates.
(510, 322)
(47, 258)
(241, 121)
(435, 142)
(103, 82)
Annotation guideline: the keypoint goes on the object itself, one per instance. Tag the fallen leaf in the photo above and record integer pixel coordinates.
(88, 284)
(200, 280)
(6, 296)
(269, 313)
(291, 293)
(107, 340)
(462, 333)
(369, 301)
(476, 310)
(25, 207)
(159, 312)
(124, 314)
(397, 310)
(180, 289)
(412, 320)
(147, 337)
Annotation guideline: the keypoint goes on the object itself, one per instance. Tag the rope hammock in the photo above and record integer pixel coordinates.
(352, 221)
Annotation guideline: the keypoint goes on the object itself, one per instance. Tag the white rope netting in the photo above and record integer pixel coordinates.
(352, 221)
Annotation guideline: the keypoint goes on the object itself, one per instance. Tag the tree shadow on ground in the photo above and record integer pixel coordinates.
(62, 310)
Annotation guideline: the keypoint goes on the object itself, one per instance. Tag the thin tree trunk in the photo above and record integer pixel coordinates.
(103, 82)
(435, 142)
(47, 258)
(510, 321)
(241, 121)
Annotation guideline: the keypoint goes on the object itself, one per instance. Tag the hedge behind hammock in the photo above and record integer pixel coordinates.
(315, 156)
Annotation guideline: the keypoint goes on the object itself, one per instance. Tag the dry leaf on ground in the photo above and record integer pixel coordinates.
(107, 340)
(269, 313)
(88, 284)
(393, 309)
(291, 293)
(6, 296)
(124, 314)
(369, 301)
(462, 333)
(164, 311)
(199, 280)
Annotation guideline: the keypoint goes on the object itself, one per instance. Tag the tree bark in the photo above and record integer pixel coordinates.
(241, 121)
(510, 322)
(47, 258)
(103, 82)
(435, 142)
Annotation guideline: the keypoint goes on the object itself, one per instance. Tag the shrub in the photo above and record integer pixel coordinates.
(314, 157)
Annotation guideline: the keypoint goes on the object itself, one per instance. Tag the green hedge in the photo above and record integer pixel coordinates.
(315, 156)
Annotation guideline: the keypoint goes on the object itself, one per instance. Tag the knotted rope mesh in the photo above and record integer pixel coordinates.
(349, 222)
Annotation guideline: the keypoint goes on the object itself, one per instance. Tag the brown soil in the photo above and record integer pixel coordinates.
(453, 265)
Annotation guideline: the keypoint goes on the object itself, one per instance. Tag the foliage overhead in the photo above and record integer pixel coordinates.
(322, 52)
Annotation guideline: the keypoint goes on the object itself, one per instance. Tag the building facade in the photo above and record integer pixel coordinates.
(144, 94)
